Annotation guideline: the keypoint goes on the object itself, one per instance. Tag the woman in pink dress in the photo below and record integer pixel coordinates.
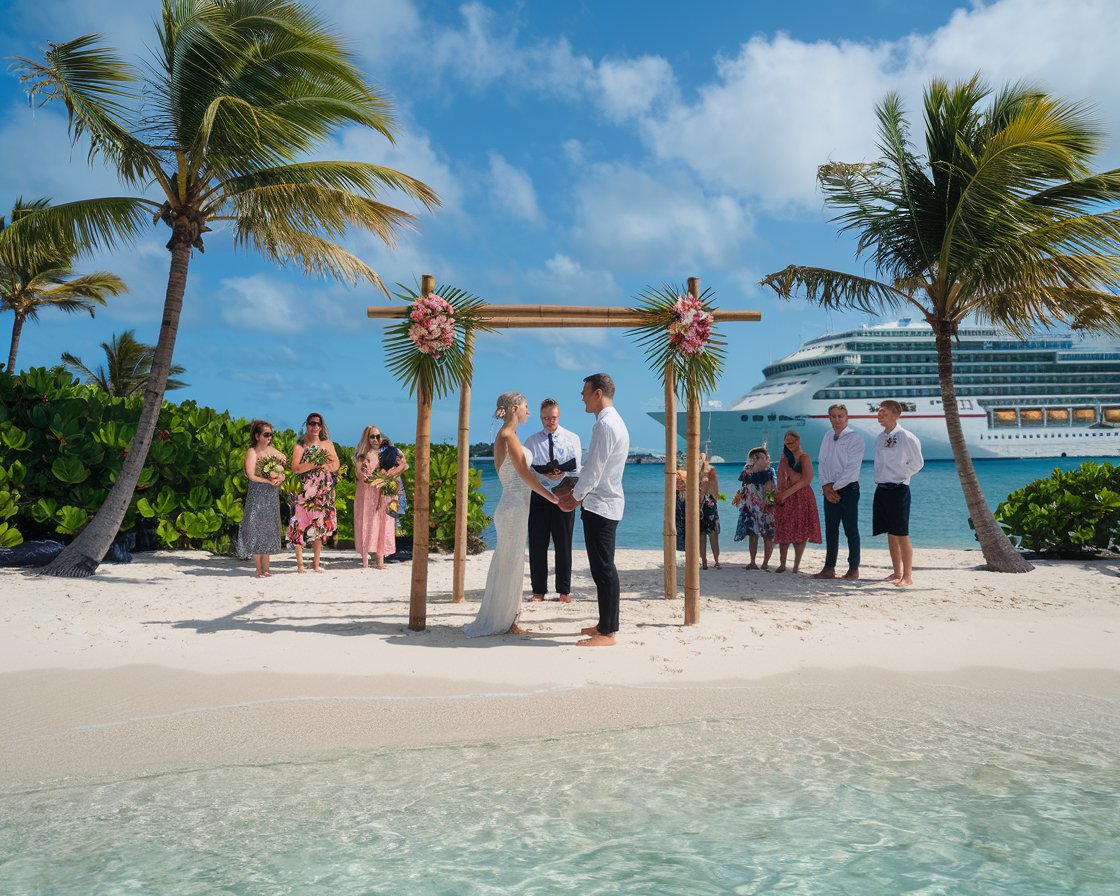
(375, 531)
(795, 506)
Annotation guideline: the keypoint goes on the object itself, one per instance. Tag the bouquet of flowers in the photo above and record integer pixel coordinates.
(691, 326)
(315, 455)
(433, 324)
(270, 464)
(771, 498)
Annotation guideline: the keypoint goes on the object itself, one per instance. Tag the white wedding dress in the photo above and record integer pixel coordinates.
(501, 603)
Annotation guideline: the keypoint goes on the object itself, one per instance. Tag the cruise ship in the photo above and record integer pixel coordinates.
(1053, 395)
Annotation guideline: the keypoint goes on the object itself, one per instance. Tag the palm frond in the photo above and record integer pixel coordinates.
(836, 290)
(429, 376)
(700, 372)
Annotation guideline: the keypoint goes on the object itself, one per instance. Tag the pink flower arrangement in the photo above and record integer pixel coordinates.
(433, 324)
(691, 326)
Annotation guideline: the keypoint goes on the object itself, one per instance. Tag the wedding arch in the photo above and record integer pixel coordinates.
(430, 348)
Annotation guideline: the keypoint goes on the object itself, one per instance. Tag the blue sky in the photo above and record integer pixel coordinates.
(583, 151)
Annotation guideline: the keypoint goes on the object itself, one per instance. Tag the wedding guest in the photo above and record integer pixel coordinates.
(795, 513)
(756, 505)
(314, 516)
(709, 512)
(599, 490)
(898, 456)
(556, 452)
(378, 466)
(838, 464)
(680, 513)
(259, 533)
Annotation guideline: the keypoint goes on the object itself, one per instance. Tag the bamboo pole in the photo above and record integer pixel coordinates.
(421, 497)
(670, 528)
(692, 496)
(462, 478)
(500, 316)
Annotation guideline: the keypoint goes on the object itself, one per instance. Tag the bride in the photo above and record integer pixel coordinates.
(501, 602)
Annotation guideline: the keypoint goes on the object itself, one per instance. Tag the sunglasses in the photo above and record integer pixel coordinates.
(266, 435)
(314, 422)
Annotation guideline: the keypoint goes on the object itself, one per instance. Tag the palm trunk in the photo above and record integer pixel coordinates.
(17, 328)
(999, 553)
(82, 556)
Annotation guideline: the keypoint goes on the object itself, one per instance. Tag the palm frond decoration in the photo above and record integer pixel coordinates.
(697, 362)
(434, 375)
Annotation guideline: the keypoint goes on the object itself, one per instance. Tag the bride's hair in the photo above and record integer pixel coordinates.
(505, 404)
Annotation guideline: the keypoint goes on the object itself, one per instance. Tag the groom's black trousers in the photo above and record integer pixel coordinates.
(599, 535)
(547, 522)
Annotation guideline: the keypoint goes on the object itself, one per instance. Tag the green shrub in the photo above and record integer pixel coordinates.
(1067, 514)
(62, 445)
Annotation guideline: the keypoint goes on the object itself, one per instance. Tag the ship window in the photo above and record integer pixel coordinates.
(758, 418)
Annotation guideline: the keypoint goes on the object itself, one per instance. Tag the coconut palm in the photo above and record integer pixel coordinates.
(33, 277)
(219, 125)
(1001, 219)
(128, 367)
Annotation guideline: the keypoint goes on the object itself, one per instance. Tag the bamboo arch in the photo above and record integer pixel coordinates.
(508, 317)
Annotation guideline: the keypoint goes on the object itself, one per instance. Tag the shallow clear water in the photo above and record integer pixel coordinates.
(801, 801)
(938, 520)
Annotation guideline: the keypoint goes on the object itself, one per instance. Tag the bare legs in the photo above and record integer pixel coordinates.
(902, 560)
(768, 544)
(316, 552)
(798, 551)
(261, 563)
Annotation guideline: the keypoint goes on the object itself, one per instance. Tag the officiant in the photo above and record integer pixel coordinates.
(556, 455)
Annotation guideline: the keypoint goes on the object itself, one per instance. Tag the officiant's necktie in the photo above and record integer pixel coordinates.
(551, 449)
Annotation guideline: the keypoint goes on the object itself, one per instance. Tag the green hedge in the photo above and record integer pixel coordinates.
(1067, 514)
(62, 445)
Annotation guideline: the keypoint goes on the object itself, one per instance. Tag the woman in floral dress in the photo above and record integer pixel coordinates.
(314, 516)
(756, 505)
(795, 517)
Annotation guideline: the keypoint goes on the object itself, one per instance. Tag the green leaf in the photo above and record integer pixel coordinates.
(44, 510)
(69, 470)
(71, 520)
(10, 536)
(167, 534)
(14, 438)
(145, 509)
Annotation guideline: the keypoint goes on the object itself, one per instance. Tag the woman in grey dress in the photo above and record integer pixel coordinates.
(259, 535)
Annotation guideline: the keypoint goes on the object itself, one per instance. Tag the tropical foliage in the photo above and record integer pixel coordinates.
(1070, 514)
(433, 375)
(61, 443)
(221, 125)
(37, 273)
(128, 366)
(1000, 219)
(660, 332)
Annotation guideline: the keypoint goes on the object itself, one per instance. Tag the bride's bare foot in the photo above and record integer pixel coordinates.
(516, 629)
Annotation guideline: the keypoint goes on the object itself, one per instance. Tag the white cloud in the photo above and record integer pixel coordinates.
(511, 190)
(262, 303)
(628, 219)
(631, 87)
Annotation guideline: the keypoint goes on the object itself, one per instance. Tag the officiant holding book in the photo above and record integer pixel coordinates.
(556, 455)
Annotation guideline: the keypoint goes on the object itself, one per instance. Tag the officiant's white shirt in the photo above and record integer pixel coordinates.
(600, 482)
(565, 446)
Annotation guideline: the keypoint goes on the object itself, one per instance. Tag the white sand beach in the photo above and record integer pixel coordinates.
(181, 659)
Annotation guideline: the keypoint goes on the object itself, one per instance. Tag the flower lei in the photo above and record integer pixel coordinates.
(433, 325)
(691, 326)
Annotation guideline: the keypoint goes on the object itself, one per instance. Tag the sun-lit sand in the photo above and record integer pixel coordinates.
(180, 659)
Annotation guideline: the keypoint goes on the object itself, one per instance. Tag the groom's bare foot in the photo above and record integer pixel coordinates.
(564, 598)
(597, 640)
(590, 630)
(516, 629)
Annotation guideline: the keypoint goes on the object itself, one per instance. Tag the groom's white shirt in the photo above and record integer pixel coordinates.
(600, 481)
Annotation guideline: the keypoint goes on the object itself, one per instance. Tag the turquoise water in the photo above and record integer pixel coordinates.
(938, 519)
(809, 800)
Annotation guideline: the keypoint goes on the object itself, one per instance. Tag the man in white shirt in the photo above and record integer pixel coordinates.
(838, 465)
(599, 490)
(898, 456)
(556, 452)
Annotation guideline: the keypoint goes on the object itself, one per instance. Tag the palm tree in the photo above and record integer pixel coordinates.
(220, 124)
(128, 366)
(1001, 219)
(41, 276)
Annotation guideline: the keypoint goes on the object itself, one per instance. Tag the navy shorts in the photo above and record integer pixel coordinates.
(890, 511)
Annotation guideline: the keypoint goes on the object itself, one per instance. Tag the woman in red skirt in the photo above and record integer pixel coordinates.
(795, 512)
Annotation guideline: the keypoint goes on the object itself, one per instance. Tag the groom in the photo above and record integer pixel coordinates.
(599, 490)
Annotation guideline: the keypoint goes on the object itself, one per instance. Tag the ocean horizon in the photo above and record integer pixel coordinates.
(938, 518)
